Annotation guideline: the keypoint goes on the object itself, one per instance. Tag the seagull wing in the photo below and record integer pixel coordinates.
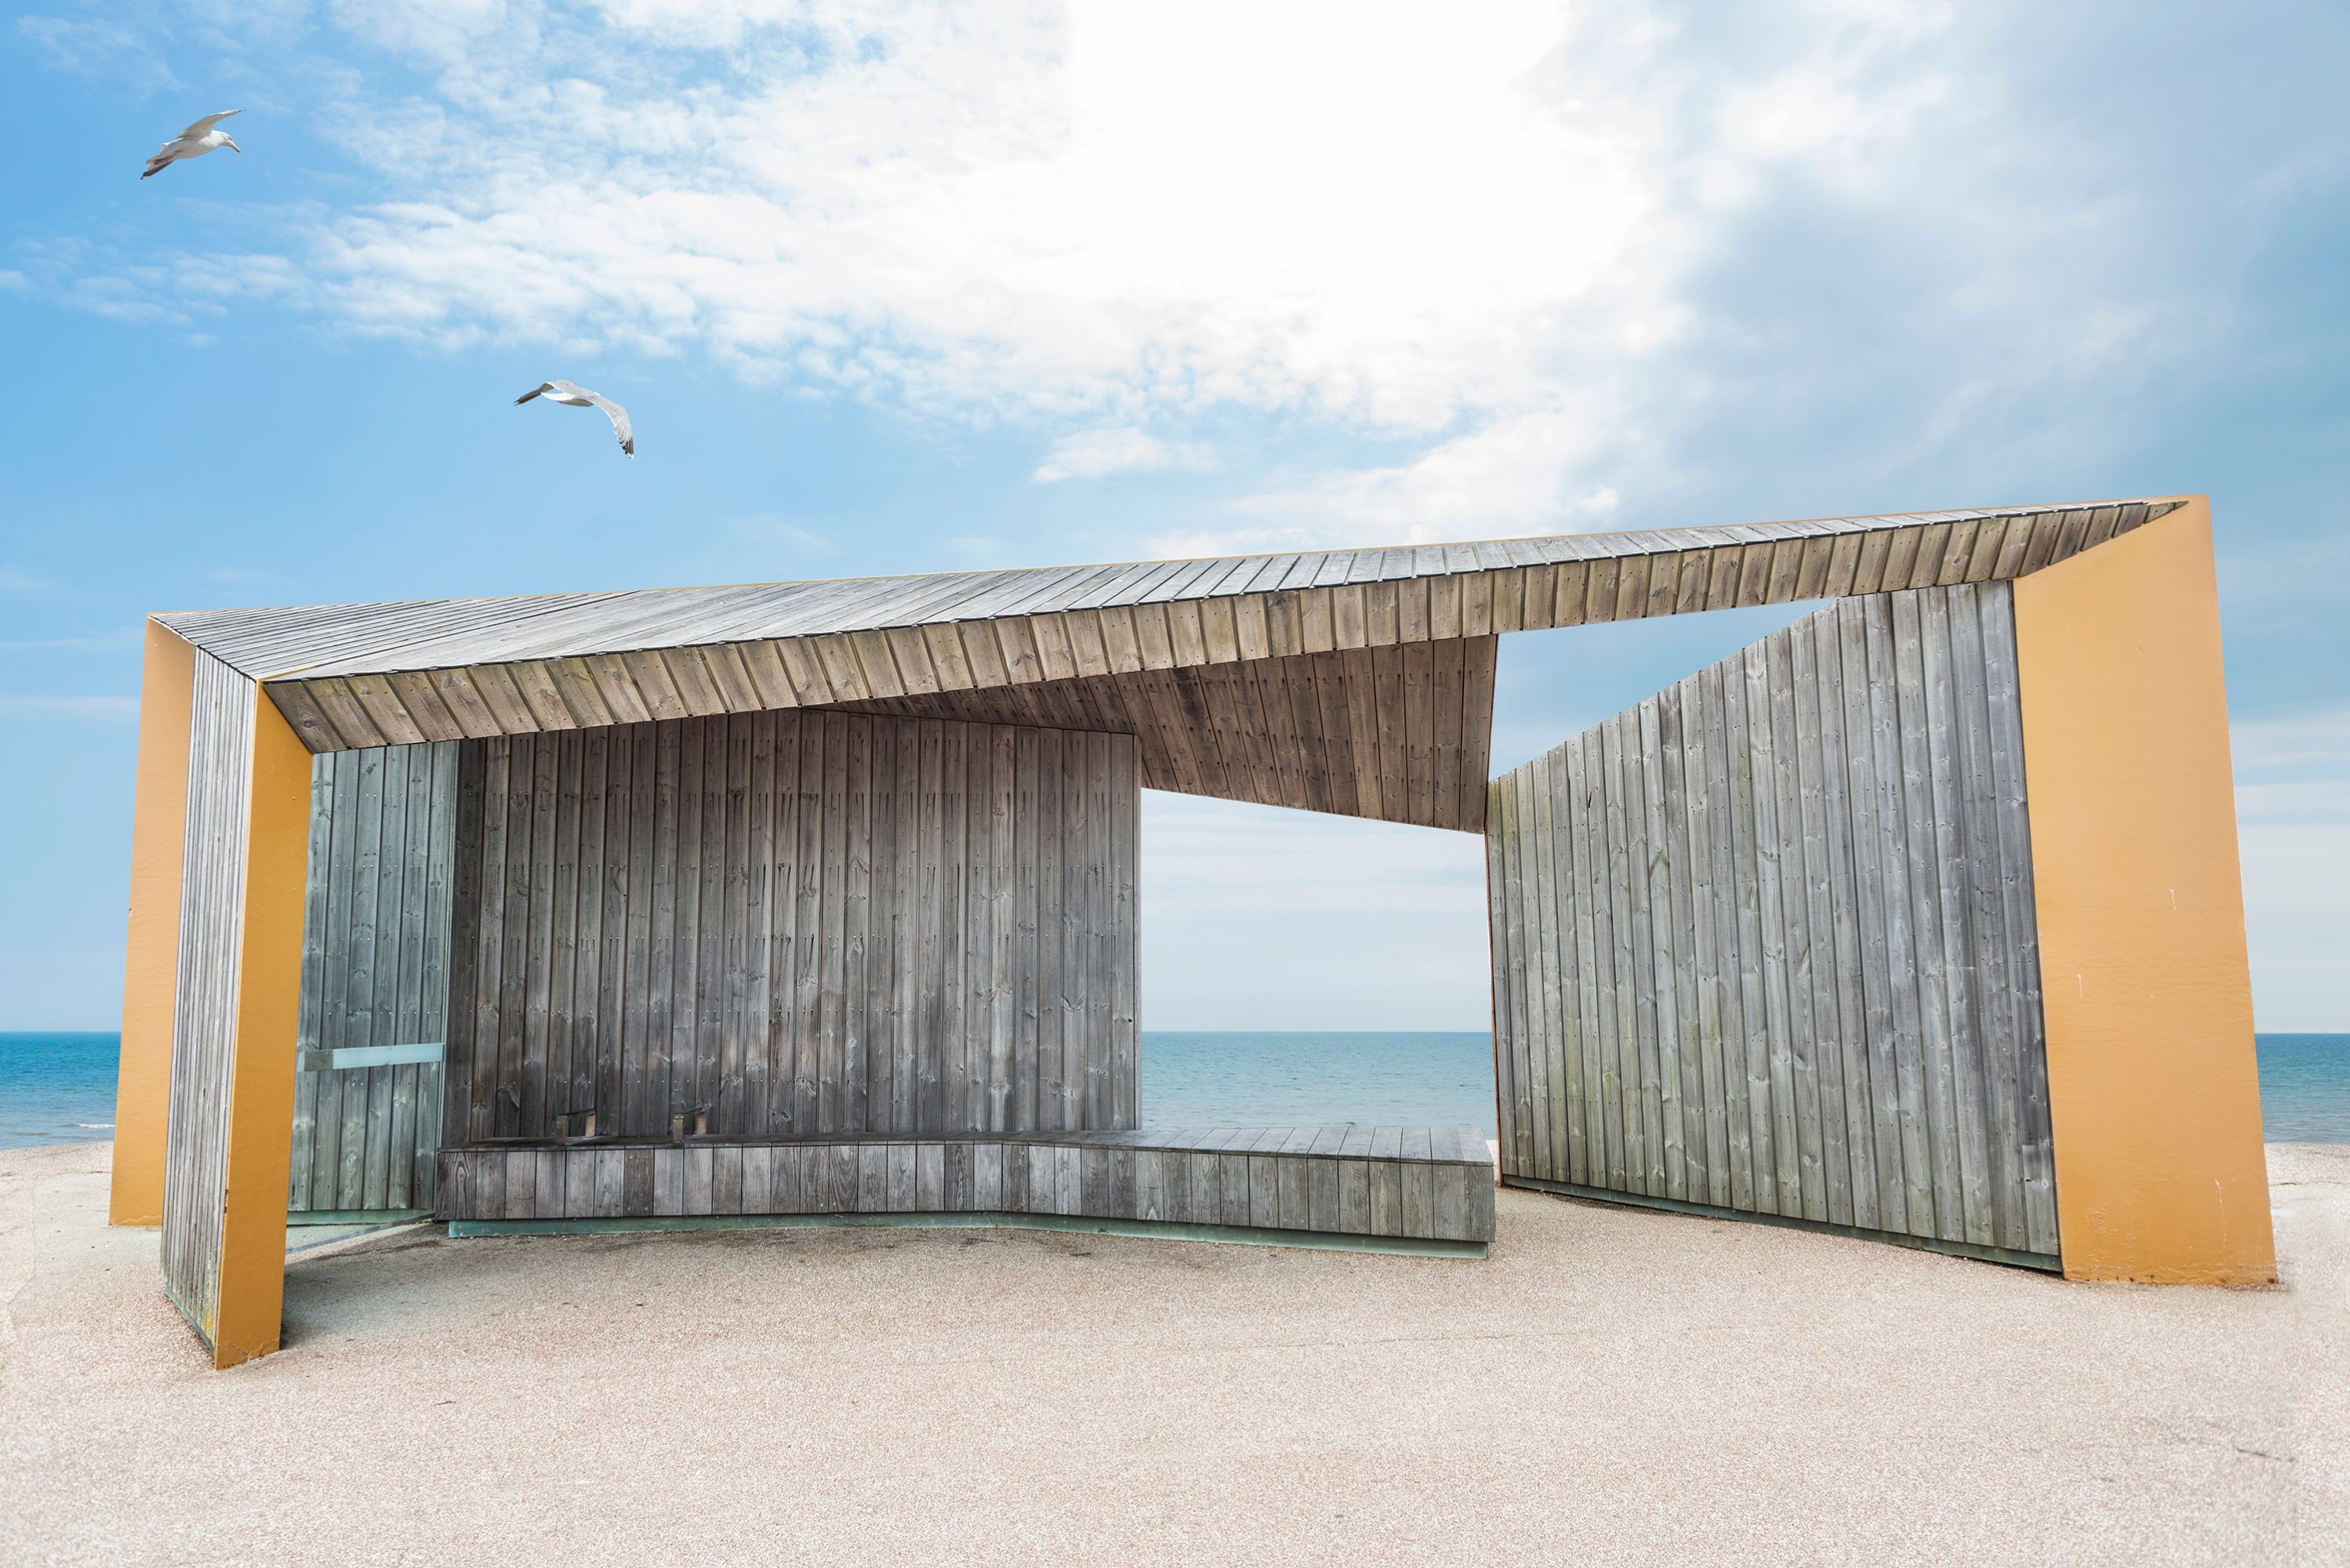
(206, 123)
(620, 418)
(541, 387)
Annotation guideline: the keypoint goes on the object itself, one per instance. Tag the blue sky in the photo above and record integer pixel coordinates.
(901, 287)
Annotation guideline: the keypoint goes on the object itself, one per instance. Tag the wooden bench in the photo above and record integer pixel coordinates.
(1423, 1189)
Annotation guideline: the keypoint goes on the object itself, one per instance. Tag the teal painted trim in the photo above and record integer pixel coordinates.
(2040, 1260)
(344, 1057)
(1227, 1235)
(354, 1216)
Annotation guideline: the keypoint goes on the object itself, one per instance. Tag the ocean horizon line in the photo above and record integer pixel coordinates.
(57, 1086)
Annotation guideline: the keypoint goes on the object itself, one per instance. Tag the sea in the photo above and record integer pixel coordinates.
(60, 1088)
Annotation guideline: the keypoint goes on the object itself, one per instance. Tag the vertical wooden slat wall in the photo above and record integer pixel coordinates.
(375, 972)
(203, 1031)
(1764, 944)
(794, 925)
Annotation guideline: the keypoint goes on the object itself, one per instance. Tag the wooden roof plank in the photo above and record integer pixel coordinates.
(479, 666)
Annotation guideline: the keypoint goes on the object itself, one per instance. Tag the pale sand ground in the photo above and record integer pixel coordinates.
(1610, 1386)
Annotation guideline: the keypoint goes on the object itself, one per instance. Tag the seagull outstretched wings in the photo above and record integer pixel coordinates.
(199, 138)
(572, 395)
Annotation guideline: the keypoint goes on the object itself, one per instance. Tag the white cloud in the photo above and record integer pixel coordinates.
(2297, 920)
(2292, 810)
(1011, 210)
(1505, 242)
(440, 31)
(1516, 475)
(2306, 743)
(1398, 219)
(1090, 454)
(1286, 920)
(100, 48)
(1482, 235)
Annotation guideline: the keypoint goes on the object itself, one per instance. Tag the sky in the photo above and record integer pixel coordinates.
(900, 286)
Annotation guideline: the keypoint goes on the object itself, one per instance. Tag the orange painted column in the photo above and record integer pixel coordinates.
(261, 1073)
(150, 964)
(2153, 1090)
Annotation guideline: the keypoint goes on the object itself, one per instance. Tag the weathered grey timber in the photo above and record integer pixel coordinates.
(1397, 734)
(1793, 894)
(1301, 1180)
(847, 977)
(204, 1032)
(375, 979)
(814, 860)
(369, 675)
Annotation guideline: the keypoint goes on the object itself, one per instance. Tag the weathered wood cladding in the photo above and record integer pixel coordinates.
(1431, 1183)
(371, 675)
(794, 925)
(1765, 943)
(1394, 732)
(204, 1029)
(375, 973)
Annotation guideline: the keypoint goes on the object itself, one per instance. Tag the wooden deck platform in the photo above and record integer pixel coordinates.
(1403, 1184)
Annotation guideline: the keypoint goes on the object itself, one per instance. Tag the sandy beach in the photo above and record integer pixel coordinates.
(1609, 1385)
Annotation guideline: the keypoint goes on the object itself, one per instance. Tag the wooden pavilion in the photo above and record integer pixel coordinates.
(816, 902)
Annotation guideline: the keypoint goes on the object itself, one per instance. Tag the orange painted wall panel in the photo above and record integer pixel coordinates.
(261, 1088)
(150, 967)
(2153, 1087)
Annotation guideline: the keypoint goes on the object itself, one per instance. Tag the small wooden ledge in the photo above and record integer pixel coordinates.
(1432, 1184)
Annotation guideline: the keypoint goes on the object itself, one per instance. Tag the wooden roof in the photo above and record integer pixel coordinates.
(375, 674)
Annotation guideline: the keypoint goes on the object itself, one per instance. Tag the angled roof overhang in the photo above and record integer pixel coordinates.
(1351, 680)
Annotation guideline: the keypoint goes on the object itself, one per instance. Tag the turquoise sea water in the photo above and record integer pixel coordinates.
(1298, 1079)
(60, 1088)
(56, 1088)
(2305, 1087)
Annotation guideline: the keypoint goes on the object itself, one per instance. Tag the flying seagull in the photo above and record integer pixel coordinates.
(193, 142)
(578, 397)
